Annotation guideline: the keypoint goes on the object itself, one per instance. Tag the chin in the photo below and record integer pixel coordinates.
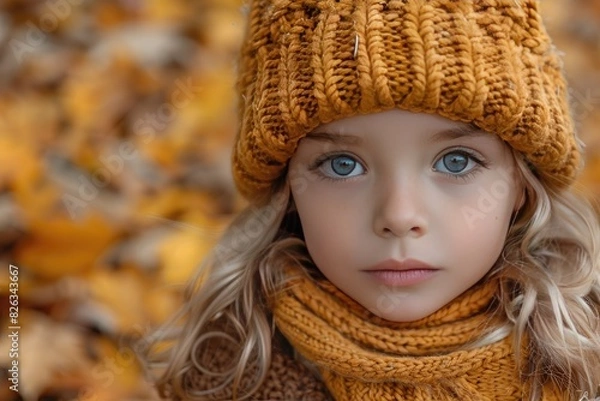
(401, 316)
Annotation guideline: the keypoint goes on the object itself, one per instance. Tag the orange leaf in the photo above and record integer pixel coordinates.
(60, 246)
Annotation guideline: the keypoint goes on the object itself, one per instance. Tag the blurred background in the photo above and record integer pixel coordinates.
(116, 119)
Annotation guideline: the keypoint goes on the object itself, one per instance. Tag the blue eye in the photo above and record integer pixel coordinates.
(456, 162)
(343, 166)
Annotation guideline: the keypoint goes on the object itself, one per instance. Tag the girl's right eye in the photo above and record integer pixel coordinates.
(339, 166)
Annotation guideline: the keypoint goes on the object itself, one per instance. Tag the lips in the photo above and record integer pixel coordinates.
(394, 273)
(394, 265)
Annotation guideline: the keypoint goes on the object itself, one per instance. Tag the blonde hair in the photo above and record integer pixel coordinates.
(227, 301)
(549, 271)
(550, 275)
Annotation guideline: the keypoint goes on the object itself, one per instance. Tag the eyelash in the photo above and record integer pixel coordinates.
(479, 160)
(315, 167)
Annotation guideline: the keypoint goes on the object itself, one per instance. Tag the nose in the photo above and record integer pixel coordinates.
(400, 210)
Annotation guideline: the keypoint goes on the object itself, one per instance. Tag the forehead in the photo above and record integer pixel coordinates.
(354, 130)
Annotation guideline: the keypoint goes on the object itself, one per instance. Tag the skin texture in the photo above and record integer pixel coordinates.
(395, 186)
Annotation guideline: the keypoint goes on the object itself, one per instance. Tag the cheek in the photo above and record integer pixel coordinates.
(327, 223)
(485, 215)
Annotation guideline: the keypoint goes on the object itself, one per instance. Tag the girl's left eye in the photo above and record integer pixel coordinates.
(457, 163)
(340, 167)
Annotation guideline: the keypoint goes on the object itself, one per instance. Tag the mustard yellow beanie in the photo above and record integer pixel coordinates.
(489, 62)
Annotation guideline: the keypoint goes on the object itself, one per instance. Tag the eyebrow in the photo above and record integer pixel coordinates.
(334, 137)
(460, 131)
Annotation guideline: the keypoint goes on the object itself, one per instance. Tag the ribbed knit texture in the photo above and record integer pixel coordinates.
(362, 357)
(488, 62)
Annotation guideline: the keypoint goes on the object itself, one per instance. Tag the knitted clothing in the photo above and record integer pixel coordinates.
(287, 378)
(308, 62)
(363, 357)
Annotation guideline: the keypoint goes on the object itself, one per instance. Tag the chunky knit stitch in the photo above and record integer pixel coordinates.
(287, 378)
(362, 357)
(486, 62)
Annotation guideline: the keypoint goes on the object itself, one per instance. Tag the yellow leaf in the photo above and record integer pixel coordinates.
(173, 10)
(161, 303)
(122, 291)
(20, 165)
(176, 201)
(59, 246)
(181, 253)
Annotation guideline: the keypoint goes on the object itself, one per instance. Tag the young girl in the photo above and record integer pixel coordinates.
(412, 232)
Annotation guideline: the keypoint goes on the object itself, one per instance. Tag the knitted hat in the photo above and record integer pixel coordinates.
(486, 62)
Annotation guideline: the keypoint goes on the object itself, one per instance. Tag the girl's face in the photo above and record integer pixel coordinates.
(403, 212)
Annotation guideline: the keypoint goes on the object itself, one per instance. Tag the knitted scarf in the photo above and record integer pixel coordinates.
(363, 357)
